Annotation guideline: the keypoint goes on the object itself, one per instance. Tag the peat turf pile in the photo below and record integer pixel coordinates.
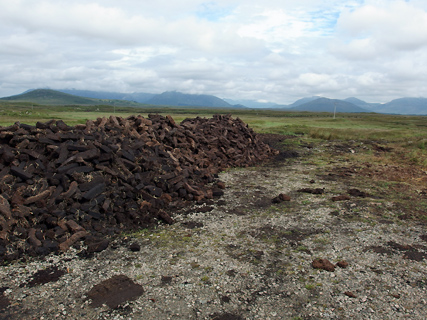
(61, 184)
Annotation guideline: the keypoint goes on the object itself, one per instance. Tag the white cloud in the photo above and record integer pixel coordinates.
(370, 79)
(360, 49)
(138, 55)
(313, 79)
(397, 25)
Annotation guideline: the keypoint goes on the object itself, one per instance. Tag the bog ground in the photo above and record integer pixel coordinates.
(261, 250)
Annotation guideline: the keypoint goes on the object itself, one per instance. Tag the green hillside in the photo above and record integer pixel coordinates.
(50, 97)
(53, 97)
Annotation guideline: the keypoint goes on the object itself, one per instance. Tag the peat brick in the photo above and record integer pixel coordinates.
(19, 172)
(95, 191)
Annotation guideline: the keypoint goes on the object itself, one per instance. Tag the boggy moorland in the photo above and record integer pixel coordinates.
(333, 226)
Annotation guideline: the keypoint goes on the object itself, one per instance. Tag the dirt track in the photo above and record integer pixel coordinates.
(244, 257)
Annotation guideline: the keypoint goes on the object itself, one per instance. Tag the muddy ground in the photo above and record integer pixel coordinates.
(253, 254)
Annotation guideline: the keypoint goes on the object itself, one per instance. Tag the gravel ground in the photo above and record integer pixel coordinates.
(242, 257)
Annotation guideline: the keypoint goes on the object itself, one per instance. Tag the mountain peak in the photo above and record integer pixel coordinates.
(322, 104)
(175, 98)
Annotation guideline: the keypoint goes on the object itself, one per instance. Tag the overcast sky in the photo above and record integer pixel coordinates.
(275, 50)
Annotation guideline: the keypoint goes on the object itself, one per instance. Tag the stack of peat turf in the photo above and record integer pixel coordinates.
(61, 184)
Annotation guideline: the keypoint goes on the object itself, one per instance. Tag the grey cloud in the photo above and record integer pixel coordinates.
(335, 48)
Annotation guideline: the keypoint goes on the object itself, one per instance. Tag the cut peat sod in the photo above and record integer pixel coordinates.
(63, 184)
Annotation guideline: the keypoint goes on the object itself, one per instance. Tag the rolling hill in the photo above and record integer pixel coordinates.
(53, 97)
(47, 96)
(328, 105)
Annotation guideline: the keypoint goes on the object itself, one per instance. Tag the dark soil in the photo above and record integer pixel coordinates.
(4, 301)
(312, 191)
(45, 276)
(275, 141)
(114, 291)
(409, 252)
(226, 316)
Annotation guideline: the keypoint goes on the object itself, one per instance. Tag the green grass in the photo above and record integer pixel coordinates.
(409, 131)
(310, 286)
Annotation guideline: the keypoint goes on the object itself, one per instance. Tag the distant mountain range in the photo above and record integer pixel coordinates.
(415, 106)
(168, 98)
(84, 97)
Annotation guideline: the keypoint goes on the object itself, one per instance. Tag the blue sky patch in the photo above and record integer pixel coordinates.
(212, 11)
